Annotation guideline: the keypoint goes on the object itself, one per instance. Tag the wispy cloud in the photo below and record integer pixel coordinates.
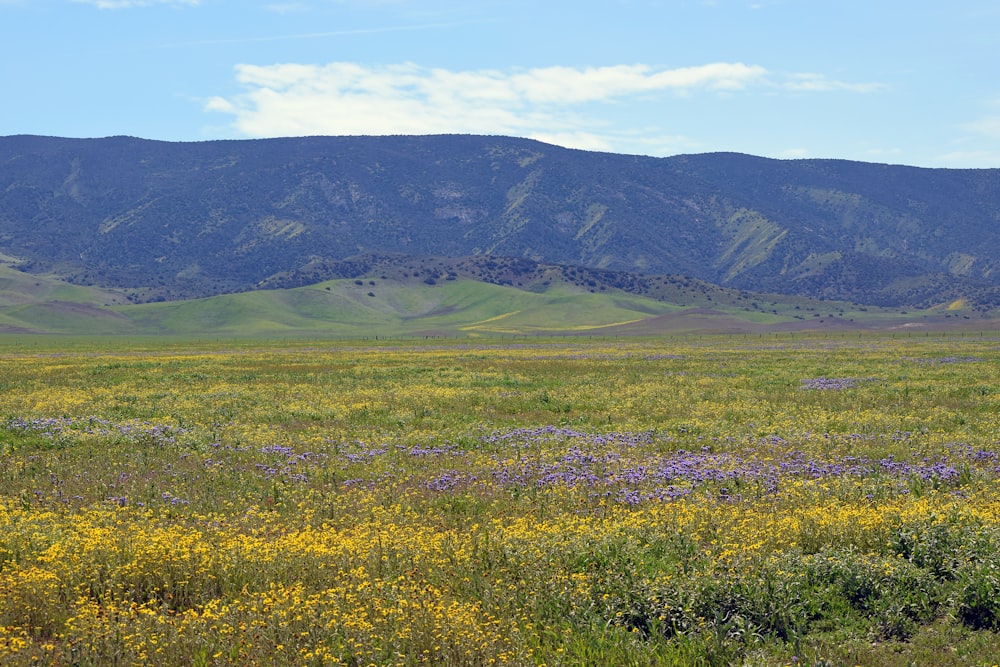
(988, 126)
(980, 144)
(882, 154)
(128, 4)
(794, 153)
(310, 35)
(286, 7)
(818, 83)
(554, 104)
(973, 159)
(348, 98)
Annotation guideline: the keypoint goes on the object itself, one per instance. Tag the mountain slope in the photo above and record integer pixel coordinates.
(177, 220)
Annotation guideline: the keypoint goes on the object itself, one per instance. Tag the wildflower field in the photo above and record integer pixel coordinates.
(743, 500)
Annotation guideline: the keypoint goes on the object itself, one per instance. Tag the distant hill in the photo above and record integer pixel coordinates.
(437, 297)
(165, 221)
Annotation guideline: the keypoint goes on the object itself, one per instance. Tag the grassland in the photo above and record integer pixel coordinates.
(406, 304)
(717, 500)
(349, 308)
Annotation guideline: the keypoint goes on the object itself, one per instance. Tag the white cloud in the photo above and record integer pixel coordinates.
(567, 85)
(882, 154)
(348, 98)
(974, 159)
(127, 4)
(793, 153)
(988, 126)
(818, 83)
(979, 147)
(286, 7)
(305, 35)
(553, 104)
(586, 141)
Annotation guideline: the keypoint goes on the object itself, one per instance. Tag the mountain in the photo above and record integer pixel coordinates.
(166, 221)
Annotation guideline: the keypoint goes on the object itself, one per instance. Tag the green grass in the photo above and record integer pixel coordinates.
(44, 304)
(462, 307)
(343, 309)
(19, 288)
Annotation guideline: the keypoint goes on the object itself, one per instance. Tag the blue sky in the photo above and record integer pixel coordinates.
(906, 82)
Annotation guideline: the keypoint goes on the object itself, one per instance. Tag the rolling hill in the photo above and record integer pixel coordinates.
(554, 300)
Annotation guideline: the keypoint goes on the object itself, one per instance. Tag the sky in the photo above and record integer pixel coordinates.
(913, 82)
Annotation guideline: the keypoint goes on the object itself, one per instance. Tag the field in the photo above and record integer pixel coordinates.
(398, 306)
(775, 499)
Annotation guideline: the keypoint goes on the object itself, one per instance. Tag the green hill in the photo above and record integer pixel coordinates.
(43, 304)
(544, 301)
(343, 308)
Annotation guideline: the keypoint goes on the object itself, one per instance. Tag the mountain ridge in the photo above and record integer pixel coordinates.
(172, 220)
